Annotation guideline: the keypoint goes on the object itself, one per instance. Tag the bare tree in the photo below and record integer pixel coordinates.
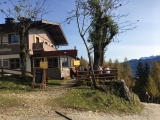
(24, 12)
(99, 19)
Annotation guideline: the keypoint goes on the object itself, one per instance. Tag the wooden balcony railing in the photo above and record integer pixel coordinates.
(99, 75)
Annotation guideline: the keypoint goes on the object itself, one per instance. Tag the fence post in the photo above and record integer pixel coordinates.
(77, 82)
(2, 72)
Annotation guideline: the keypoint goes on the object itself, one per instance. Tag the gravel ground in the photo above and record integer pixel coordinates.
(36, 109)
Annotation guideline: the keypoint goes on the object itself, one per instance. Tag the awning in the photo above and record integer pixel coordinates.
(71, 53)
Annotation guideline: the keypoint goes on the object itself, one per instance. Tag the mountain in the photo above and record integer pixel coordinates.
(151, 57)
(133, 62)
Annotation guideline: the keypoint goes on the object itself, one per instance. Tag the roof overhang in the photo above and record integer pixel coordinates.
(54, 29)
(71, 53)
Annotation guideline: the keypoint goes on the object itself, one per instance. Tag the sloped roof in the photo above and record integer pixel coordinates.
(54, 29)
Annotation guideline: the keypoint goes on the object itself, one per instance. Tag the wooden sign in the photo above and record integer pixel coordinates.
(44, 65)
(76, 63)
(39, 77)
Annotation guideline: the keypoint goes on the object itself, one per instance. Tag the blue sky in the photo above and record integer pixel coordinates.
(143, 41)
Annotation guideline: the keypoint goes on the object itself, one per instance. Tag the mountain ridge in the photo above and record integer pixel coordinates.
(133, 62)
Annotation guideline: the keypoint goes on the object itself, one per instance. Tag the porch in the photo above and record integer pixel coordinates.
(59, 62)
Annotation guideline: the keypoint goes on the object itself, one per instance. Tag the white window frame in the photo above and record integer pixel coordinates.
(35, 39)
(63, 61)
(53, 62)
(5, 60)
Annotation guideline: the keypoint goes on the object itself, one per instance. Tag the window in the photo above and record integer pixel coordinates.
(52, 62)
(37, 62)
(52, 46)
(37, 39)
(14, 63)
(13, 38)
(5, 63)
(64, 61)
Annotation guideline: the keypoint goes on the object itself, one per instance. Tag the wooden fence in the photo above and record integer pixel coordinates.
(99, 75)
(5, 71)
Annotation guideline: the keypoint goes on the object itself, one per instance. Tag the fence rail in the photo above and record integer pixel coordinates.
(4, 71)
(99, 75)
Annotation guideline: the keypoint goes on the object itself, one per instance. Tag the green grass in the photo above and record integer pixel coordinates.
(17, 84)
(54, 82)
(80, 98)
(11, 101)
(94, 100)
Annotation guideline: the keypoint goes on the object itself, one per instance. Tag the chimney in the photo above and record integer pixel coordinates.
(75, 47)
(9, 20)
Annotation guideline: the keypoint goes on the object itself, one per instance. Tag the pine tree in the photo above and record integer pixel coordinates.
(83, 62)
(127, 67)
(110, 63)
(155, 71)
(105, 63)
(139, 84)
(119, 67)
(146, 71)
(142, 74)
(151, 87)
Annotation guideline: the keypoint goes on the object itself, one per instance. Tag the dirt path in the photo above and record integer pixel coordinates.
(36, 109)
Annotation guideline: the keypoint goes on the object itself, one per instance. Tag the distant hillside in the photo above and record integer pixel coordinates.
(149, 60)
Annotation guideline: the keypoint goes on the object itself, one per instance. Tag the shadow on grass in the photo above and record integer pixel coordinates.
(15, 83)
(17, 80)
(53, 84)
(18, 83)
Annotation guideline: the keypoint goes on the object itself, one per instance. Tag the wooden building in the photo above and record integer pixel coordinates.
(43, 39)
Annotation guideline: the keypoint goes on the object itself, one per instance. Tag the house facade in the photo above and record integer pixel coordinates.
(42, 41)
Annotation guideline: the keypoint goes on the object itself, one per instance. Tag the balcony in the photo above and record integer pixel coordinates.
(42, 47)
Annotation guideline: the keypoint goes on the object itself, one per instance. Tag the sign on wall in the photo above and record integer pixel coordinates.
(44, 65)
(76, 63)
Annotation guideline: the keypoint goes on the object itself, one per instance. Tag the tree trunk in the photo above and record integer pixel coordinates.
(96, 57)
(23, 49)
(90, 63)
(92, 72)
(101, 57)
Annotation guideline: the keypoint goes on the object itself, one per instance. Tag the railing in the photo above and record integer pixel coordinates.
(42, 46)
(99, 75)
(4, 71)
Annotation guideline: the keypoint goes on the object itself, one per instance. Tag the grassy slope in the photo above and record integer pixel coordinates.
(84, 98)
(10, 84)
(81, 98)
